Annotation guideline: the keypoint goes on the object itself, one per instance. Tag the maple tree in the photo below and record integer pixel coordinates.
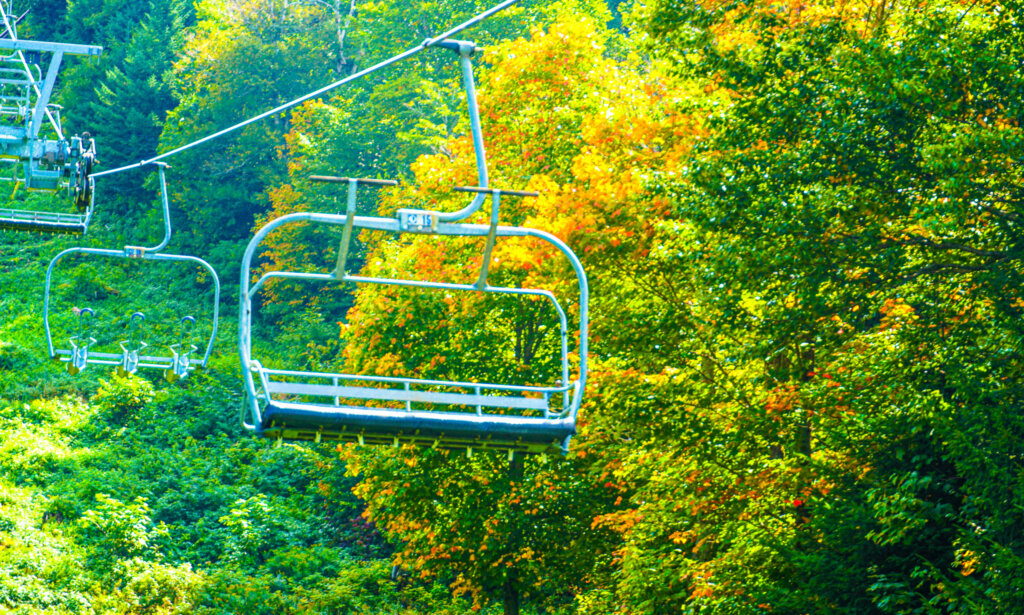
(502, 531)
(788, 257)
(240, 60)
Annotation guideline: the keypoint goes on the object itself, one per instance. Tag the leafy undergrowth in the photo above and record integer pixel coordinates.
(147, 500)
(131, 495)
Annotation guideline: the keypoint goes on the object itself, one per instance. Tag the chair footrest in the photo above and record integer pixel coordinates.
(42, 222)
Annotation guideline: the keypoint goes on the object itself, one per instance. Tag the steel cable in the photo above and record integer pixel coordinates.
(288, 105)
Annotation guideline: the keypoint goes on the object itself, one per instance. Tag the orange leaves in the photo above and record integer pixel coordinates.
(682, 538)
(619, 521)
(782, 399)
(896, 313)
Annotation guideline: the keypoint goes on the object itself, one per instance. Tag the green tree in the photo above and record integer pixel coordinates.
(118, 528)
(509, 532)
(240, 60)
(853, 217)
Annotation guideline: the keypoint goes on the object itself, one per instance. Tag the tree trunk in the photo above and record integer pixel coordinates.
(344, 66)
(510, 589)
(510, 594)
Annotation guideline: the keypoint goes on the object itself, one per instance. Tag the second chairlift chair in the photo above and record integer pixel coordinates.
(290, 404)
(179, 359)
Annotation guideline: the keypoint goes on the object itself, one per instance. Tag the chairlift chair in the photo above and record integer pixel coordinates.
(31, 160)
(291, 404)
(178, 360)
(449, 414)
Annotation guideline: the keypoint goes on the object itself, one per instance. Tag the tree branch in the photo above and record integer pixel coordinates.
(996, 255)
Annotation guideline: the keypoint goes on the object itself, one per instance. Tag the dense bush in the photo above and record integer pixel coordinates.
(122, 397)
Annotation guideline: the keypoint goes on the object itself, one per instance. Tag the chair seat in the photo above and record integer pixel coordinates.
(306, 421)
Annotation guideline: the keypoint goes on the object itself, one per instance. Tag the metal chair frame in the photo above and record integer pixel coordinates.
(292, 404)
(176, 364)
(534, 419)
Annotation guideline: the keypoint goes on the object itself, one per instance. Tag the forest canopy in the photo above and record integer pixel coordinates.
(802, 228)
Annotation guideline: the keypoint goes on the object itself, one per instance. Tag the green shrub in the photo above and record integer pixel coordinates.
(596, 602)
(229, 591)
(306, 565)
(118, 529)
(360, 587)
(121, 398)
(151, 588)
(31, 454)
(87, 284)
(67, 412)
(259, 526)
(14, 358)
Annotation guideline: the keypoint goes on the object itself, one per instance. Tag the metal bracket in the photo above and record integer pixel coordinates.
(492, 230)
(350, 213)
(81, 342)
(181, 353)
(132, 346)
(466, 49)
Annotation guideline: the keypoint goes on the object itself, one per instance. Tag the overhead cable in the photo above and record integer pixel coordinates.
(288, 105)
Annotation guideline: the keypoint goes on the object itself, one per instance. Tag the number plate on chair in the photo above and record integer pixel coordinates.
(417, 221)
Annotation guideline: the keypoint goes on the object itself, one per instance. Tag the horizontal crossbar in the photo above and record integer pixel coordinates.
(481, 190)
(116, 357)
(69, 48)
(361, 180)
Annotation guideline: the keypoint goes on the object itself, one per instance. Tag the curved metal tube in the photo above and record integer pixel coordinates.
(131, 347)
(465, 51)
(192, 322)
(120, 254)
(84, 312)
(181, 353)
(137, 251)
(167, 211)
(133, 328)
